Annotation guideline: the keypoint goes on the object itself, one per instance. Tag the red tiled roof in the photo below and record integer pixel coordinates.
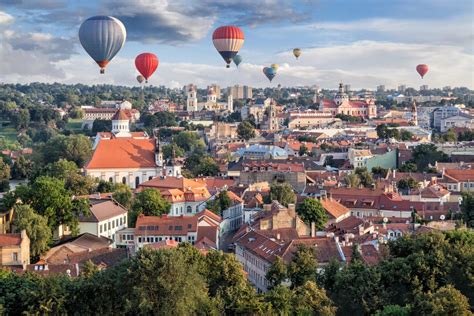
(123, 153)
(10, 239)
(120, 115)
(334, 208)
(461, 175)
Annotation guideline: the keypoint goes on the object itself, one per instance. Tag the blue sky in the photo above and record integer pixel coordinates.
(363, 43)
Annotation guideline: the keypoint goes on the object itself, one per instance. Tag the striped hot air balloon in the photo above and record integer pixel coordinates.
(102, 37)
(146, 64)
(228, 40)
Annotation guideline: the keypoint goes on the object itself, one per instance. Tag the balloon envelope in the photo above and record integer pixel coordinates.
(140, 78)
(146, 64)
(275, 67)
(102, 37)
(422, 69)
(237, 60)
(297, 52)
(269, 73)
(228, 40)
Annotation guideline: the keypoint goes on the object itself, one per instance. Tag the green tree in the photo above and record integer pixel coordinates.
(22, 168)
(148, 202)
(394, 310)
(467, 208)
(220, 203)
(76, 148)
(382, 131)
(207, 167)
(303, 150)
(406, 135)
(277, 273)
(21, 119)
(408, 167)
(245, 130)
(170, 149)
(99, 126)
(381, 172)
(4, 176)
(365, 177)
(309, 299)
(188, 141)
(312, 211)
(352, 180)
(282, 192)
(427, 154)
(445, 301)
(122, 194)
(303, 266)
(406, 184)
(282, 299)
(36, 227)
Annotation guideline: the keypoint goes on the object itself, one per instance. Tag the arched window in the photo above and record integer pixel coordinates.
(111, 180)
(124, 180)
(150, 177)
(137, 181)
(189, 209)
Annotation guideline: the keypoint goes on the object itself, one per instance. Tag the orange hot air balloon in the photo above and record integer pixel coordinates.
(146, 64)
(422, 69)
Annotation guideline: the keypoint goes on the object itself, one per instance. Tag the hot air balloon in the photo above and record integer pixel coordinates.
(422, 69)
(228, 40)
(146, 64)
(297, 52)
(275, 67)
(102, 37)
(140, 78)
(237, 60)
(269, 73)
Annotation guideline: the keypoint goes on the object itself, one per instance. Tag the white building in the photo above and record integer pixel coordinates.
(212, 103)
(105, 219)
(358, 157)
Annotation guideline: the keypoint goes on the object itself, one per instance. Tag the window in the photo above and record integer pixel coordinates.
(124, 180)
(110, 179)
(109, 226)
(100, 228)
(189, 209)
(150, 177)
(137, 181)
(15, 256)
(113, 224)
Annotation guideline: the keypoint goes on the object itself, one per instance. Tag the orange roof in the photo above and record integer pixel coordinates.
(123, 153)
(234, 197)
(181, 183)
(120, 115)
(10, 239)
(461, 175)
(334, 208)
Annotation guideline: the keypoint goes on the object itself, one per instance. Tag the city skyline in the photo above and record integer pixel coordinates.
(353, 42)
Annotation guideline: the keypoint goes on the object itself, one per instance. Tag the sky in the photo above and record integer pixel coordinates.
(363, 43)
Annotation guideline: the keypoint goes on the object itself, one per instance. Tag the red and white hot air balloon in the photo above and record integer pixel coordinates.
(146, 64)
(228, 40)
(422, 69)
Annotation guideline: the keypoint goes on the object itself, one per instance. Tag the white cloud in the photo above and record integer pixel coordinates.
(6, 18)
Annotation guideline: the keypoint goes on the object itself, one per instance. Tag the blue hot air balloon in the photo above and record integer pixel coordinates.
(237, 60)
(269, 72)
(102, 37)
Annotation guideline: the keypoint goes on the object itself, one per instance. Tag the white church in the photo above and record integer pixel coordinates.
(211, 104)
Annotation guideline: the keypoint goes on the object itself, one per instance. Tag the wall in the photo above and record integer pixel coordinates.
(387, 160)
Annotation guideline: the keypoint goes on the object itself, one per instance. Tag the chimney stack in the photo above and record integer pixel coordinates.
(292, 209)
(313, 229)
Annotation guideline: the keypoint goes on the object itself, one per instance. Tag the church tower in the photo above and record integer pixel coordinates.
(121, 124)
(173, 167)
(414, 115)
(272, 118)
(211, 96)
(191, 101)
(341, 97)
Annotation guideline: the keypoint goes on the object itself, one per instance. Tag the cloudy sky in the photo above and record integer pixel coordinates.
(360, 42)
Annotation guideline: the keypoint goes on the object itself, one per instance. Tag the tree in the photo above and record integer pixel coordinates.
(170, 149)
(381, 172)
(207, 167)
(282, 192)
(382, 131)
(303, 150)
(21, 119)
(364, 176)
(406, 184)
(467, 208)
(406, 135)
(427, 154)
(148, 202)
(303, 266)
(245, 130)
(309, 299)
(408, 167)
(277, 273)
(188, 141)
(36, 227)
(312, 211)
(446, 300)
(122, 194)
(329, 161)
(352, 180)
(21, 168)
(282, 299)
(4, 176)
(76, 148)
(220, 203)
(394, 310)
(101, 126)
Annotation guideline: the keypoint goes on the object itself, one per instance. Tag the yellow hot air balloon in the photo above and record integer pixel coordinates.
(275, 67)
(297, 52)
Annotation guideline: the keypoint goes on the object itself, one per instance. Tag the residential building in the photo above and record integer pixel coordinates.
(458, 180)
(460, 120)
(106, 217)
(187, 196)
(201, 228)
(14, 249)
(104, 113)
(358, 157)
(240, 92)
(310, 119)
(261, 171)
(443, 113)
(260, 152)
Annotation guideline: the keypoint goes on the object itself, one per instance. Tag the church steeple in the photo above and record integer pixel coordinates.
(341, 96)
(414, 115)
(121, 124)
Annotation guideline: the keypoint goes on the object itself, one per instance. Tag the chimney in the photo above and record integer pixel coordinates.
(23, 234)
(292, 209)
(394, 173)
(278, 236)
(313, 229)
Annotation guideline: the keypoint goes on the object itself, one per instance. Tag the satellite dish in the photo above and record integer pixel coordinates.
(385, 220)
(442, 217)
